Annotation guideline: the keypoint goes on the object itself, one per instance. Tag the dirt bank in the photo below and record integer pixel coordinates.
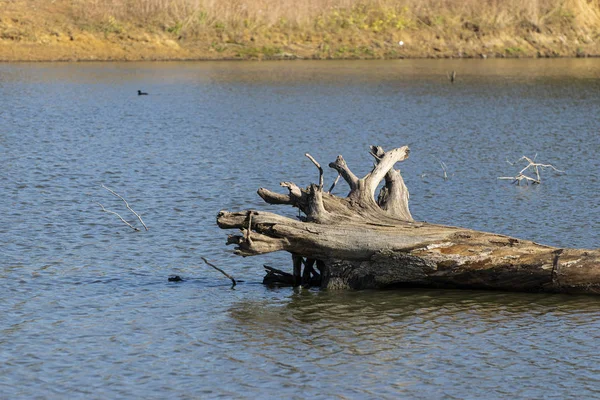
(60, 30)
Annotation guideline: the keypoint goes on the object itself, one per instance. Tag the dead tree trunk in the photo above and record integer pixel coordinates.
(360, 242)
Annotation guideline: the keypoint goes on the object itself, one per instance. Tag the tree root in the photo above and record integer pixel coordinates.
(362, 241)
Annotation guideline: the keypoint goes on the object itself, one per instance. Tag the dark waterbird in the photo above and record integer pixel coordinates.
(140, 93)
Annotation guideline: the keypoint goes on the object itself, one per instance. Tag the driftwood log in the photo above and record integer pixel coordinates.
(363, 241)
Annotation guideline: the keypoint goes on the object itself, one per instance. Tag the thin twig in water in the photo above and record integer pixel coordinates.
(531, 164)
(122, 219)
(452, 76)
(221, 271)
(445, 169)
(126, 205)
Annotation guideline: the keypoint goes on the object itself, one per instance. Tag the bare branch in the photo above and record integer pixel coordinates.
(334, 183)
(295, 191)
(393, 196)
(342, 168)
(315, 209)
(531, 164)
(377, 152)
(311, 158)
(274, 198)
(126, 205)
(114, 213)
(389, 159)
(221, 271)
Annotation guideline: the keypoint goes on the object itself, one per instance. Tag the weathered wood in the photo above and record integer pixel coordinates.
(358, 242)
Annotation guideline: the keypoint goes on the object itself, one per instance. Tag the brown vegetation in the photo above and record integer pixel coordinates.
(221, 29)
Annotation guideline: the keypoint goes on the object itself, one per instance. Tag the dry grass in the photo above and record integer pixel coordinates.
(200, 14)
(320, 28)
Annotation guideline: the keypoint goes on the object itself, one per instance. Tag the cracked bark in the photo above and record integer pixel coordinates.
(360, 242)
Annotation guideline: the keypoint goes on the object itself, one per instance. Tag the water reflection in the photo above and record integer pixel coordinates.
(409, 341)
(361, 307)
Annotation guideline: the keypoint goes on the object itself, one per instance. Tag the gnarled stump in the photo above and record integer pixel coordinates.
(360, 242)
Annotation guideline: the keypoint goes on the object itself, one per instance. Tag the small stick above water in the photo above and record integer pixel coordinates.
(335, 183)
(114, 213)
(221, 271)
(452, 76)
(126, 205)
(444, 168)
(531, 164)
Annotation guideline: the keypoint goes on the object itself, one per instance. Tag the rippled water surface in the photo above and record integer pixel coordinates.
(86, 310)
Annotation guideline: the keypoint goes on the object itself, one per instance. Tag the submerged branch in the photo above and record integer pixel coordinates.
(531, 164)
(221, 271)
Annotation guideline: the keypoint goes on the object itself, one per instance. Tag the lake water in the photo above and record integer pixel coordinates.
(86, 308)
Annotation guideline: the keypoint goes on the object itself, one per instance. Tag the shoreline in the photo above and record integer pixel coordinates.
(27, 53)
(201, 60)
(7, 60)
(165, 49)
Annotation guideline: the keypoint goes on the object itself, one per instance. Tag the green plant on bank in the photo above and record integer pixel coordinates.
(190, 25)
(561, 16)
(391, 54)
(435, 20)
(353, 52)
(201, 17)
(270, 51)
(219, 26)
(111, 25)
(364, 17)
(513, 51)
(176, 28)
(341, 51)
(258, 52)
(363, 51)
(218, 47)
(250, 24)
(283, 23)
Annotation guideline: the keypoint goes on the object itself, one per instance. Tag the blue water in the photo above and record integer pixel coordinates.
(86, 310)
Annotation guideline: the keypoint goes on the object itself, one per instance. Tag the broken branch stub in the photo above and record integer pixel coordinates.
(360, 242)
(360, 204)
